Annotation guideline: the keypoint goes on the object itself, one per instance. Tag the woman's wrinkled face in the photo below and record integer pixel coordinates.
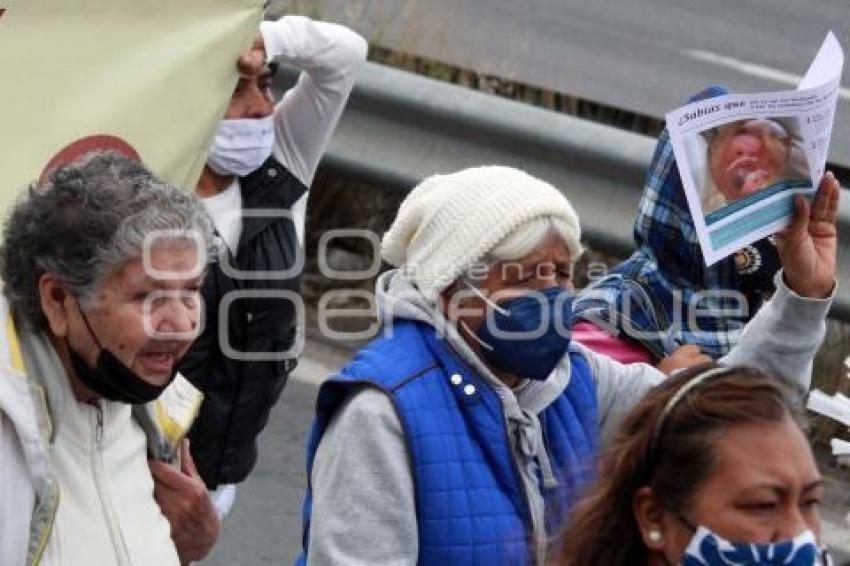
(146, 315)
(765, 487)
(747, 156)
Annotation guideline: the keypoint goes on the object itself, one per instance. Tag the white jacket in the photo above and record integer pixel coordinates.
(93, 457)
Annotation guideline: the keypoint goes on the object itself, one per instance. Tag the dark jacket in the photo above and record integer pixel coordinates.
(240, 361)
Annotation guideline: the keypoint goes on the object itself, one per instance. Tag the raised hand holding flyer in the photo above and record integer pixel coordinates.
(743, 157)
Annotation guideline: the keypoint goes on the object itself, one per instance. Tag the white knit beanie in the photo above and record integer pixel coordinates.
(449, 222)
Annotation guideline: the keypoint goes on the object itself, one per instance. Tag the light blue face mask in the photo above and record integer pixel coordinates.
(708, 549)
(241, 146)
(528, 335)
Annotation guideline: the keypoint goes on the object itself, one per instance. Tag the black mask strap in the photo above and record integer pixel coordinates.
(88, 326)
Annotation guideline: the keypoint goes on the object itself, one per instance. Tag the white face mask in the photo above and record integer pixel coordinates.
(708, 549)
(241, 146)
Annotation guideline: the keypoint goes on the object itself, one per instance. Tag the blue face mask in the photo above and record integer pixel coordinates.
(527, 336)
(708, 549)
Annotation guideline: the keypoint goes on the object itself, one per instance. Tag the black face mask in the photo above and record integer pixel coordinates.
(113, 380)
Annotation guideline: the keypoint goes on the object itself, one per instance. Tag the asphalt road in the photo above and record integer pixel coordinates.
(265, 524)
(645, 56)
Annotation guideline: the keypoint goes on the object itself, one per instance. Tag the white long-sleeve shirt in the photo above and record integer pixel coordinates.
(329, 56)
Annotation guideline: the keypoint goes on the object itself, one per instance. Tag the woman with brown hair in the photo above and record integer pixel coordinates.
(712, 467)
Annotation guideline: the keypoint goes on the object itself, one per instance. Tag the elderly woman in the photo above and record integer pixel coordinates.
(463, 434)
(711, 468)
(101, 267)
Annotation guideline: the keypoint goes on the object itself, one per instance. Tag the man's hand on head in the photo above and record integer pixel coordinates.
(252, 63)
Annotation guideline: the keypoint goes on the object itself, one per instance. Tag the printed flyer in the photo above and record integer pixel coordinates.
(743, 157)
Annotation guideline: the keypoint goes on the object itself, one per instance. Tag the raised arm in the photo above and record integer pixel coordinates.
(329, 56)
(784, 335)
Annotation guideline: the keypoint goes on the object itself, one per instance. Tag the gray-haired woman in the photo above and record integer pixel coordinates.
(101, 266)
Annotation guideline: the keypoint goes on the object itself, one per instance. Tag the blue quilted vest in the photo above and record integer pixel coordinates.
(471, 505)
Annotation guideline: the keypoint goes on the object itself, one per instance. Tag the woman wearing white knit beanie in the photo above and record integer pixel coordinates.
(450, 222)
(465, 432)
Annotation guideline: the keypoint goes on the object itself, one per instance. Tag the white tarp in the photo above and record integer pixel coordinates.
(155, 75)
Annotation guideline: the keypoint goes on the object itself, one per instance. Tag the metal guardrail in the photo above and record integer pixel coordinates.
(400, 127)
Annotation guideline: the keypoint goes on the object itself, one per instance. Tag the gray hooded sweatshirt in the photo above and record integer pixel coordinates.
(372, 520)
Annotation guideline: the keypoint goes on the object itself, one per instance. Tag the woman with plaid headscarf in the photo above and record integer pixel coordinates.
(663, 305)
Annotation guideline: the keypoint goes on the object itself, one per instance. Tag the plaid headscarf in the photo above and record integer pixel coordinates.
(649, 295)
